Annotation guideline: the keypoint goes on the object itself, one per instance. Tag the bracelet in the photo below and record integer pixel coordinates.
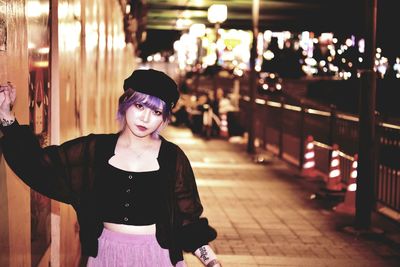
(6, 122)
(213, 263)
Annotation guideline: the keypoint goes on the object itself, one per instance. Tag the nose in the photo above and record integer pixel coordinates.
(146, 113)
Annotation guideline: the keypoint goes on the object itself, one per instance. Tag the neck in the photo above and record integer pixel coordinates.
(129, 140)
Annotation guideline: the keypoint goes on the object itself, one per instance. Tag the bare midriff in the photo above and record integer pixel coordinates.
(131, 229)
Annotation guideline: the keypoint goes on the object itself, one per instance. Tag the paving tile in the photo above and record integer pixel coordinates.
(264, 217)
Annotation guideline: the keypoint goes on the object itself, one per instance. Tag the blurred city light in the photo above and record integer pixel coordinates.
(217, 13)
(314, 55)
(35, 9)
(197, 30)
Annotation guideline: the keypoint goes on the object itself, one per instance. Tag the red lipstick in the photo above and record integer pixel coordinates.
(141, 128)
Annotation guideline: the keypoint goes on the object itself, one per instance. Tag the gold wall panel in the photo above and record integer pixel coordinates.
(15, 220)
(92, 62)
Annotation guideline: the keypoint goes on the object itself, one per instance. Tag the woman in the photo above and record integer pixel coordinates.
(134, 192)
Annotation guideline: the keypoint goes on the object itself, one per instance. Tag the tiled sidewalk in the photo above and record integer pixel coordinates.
(264, 214)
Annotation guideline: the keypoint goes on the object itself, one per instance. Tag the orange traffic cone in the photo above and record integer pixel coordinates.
(349, 204)
(308, 169)
(334, 179)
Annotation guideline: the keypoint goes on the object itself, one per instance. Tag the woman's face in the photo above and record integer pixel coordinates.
(143, 121)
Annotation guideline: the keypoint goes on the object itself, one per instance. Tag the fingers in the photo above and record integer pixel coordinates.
(2, 87)
(9, 91)
(13, 92)
(11, 85)
(2, 97)
(5, 97)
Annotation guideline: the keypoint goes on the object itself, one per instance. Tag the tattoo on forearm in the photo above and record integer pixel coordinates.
(203, 254)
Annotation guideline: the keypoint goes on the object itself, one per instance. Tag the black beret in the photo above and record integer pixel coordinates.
(155, 83)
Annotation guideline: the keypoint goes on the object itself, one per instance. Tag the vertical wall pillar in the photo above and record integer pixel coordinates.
(14, 68)
(55, 126)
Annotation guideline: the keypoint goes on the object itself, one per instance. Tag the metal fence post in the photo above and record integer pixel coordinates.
(302, 133)
(281, 127)
(365, 185)
(253, 76)
(265, 120)
(378, 134)
(332, 127)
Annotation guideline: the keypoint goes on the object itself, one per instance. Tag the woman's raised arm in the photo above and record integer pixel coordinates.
(58, 172)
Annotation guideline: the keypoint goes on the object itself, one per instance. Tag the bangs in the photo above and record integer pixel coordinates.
(148, 101)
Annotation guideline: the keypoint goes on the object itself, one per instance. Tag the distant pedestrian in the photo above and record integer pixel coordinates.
(134, 192)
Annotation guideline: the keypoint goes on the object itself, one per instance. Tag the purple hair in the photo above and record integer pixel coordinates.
(131, 97)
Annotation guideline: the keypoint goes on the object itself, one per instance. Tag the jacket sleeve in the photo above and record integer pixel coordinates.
(195, 230)
(54, 171)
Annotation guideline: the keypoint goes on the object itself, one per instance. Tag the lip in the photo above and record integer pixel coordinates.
(141, 128)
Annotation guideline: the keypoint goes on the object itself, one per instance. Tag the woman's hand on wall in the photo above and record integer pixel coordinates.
(8, 95)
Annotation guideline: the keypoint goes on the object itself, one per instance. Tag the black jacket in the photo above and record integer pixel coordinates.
(68, 172)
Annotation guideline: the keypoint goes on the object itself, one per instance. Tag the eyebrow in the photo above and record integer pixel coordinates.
(149, 105)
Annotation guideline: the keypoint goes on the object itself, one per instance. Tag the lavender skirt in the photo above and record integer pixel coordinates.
(130, 250)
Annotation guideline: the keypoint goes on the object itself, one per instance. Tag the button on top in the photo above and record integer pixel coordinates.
(126, 205)
(130, 176)
(128, 190)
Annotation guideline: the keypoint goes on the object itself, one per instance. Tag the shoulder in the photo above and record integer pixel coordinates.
(89, 138)
(170, 147)
(107, 138)
(90, 141)
(173, 150)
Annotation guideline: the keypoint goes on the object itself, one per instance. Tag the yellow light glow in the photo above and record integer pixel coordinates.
(41, 64)
(35, 9)
(43, 50)
(183, 23)
(62, 11)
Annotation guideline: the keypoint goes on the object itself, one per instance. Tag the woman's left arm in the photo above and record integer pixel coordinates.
(195, 233)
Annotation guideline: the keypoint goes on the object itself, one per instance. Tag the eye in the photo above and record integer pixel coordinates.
(139, 106)
(158, 112)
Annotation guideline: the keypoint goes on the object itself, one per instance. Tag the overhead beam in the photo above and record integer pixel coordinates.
(292, 15)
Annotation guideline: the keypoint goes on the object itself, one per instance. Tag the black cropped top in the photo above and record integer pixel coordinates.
(128, 197)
